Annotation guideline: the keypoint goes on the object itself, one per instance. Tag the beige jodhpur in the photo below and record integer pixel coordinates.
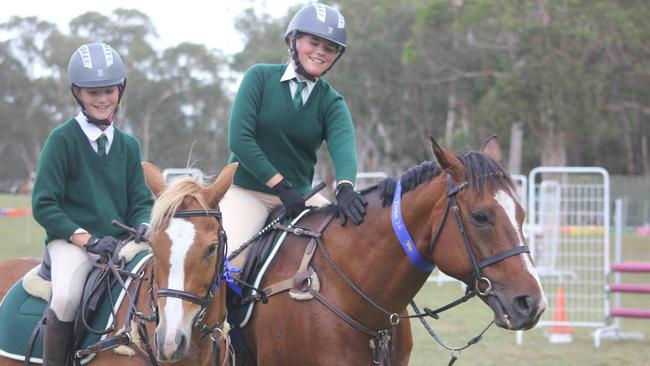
(245, 212)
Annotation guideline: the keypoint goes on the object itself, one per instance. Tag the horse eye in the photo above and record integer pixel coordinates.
(481, 217)
(211, 249)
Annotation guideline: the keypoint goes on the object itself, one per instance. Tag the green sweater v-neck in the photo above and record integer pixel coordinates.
(76, 188)
(267, 134)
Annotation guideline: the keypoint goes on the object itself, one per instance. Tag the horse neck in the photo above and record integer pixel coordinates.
(387, 275)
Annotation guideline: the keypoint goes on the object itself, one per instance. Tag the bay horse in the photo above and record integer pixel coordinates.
(462, 215)
(180, 286)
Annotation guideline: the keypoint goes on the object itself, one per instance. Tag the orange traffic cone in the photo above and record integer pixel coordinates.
(560, 333)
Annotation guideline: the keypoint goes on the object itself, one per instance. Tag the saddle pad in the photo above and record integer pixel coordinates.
(258, 278)
(20, 312)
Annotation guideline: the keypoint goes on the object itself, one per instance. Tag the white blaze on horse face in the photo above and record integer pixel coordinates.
(508, 204)
(181, 234)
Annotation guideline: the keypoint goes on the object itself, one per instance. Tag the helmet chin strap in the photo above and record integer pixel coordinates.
(93, 120)
(296, 61)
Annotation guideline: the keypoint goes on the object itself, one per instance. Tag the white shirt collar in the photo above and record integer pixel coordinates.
(290, 73)
(93, 132)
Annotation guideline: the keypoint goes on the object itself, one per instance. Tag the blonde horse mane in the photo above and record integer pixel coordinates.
(172, 197)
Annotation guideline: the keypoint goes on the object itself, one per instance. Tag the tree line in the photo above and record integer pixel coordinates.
(562, 82)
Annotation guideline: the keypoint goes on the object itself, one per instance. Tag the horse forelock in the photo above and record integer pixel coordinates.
(482, 172)
(171, 199)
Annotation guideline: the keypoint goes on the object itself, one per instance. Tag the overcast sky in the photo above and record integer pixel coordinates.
(208, 22)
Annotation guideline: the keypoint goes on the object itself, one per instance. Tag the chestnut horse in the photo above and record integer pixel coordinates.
(462, 215)
(180, 286)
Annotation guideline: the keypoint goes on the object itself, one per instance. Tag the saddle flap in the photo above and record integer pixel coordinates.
(21, 312)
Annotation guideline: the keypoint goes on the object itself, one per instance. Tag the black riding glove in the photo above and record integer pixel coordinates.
(141, 233)
(351, 205)
(102, 245)
(291, 199)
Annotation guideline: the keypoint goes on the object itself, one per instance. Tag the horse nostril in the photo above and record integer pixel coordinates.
(181, 340)
(524, 305)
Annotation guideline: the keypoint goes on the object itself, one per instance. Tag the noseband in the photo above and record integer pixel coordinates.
(219, 269)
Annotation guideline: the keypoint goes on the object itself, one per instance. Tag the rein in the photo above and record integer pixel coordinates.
(473, 288)
(215, 332)
(421, 263)
(221, 272)
(382, 338)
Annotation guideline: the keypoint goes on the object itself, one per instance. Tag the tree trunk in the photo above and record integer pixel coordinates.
(516, 141)
(451, 118)
(627, 143)
(464, 122)
(644, 156)
(554, 148)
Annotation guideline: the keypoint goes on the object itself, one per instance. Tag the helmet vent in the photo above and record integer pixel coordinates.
(86, 60)
(108, 54)
(320, 12)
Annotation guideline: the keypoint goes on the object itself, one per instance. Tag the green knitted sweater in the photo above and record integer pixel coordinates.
(75, 188)
(267, 134)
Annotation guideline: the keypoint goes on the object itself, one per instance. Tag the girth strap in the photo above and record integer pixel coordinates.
(304, 271)
(296, 282)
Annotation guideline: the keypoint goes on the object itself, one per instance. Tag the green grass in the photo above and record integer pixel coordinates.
(498, 346)
(21, 237)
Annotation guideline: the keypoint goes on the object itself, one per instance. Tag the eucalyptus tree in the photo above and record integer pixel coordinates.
(32, 104)
(192, 99)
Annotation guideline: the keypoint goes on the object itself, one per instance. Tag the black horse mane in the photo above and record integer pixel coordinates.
(480, 171)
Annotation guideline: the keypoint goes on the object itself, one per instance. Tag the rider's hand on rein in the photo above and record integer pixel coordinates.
(102, 245)
(291, 199)
(141, 233)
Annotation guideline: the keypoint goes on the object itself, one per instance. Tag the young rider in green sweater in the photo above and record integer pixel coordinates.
(89, 173)
(280, 117)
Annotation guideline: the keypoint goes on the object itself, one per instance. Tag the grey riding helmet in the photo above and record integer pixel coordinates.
(319, 20)
(96, 65)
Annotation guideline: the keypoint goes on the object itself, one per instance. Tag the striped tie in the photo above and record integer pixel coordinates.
(297, 97)
(101, 146)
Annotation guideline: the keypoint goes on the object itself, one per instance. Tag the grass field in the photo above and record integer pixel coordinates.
(21, 236)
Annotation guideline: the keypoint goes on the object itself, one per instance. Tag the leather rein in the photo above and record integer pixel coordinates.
(215, 332)
(382, 338)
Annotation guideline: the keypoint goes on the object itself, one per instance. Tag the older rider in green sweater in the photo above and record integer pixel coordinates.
(280, 117)
(89, 173)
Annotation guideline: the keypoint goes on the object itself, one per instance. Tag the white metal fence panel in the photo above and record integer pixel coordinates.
(568, 212)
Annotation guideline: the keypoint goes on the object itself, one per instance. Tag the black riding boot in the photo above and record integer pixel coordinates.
(57, 342)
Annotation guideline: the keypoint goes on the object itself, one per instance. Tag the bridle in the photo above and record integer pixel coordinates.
(473, 284)
(382, 338)
(476, 278)
(217, 279)
(215, 332)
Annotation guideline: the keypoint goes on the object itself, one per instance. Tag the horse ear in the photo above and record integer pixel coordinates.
(447, 161)
(492, 148)
(221, 184)
(153, 178)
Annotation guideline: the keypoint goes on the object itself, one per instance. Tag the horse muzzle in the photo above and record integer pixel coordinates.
(171, 346)
(521, 312)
